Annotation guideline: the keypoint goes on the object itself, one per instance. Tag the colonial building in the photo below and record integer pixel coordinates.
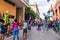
(34, 7)
(14, 7)
(56, 10)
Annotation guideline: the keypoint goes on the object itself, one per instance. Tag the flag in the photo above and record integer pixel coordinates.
(48, 0)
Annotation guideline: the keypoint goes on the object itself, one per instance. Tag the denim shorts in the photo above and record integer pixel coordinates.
(2, 32)
(15, 33)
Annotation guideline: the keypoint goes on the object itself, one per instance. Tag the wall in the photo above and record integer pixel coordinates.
(6, 6)
(20, 13)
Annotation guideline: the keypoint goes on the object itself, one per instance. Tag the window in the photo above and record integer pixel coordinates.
(9, 2)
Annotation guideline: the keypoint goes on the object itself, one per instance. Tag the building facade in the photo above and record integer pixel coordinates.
(34, 7)
(14, 7)
(56, 10)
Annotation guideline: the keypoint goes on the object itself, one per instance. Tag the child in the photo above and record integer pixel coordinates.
(2, 30)
(8, 30)
(49, 25)
(24, 30)
(56, 26)
(39, 25)
(15, 30)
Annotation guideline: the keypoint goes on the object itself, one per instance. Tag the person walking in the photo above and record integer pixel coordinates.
(29, 23)
(39, 25)
(21, 23)
(49, 25)
(24, 30)
(2, 28)
(8, 28)
(56, 26)
(15, 29)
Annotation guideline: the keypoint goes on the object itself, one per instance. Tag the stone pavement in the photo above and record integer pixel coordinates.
(42, 35)
(20, 36)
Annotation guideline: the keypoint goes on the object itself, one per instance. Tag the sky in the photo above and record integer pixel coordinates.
(43, 6)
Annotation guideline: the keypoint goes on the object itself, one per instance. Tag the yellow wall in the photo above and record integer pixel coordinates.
(6, 6)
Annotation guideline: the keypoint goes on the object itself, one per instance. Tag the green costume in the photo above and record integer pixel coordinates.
(6, 18)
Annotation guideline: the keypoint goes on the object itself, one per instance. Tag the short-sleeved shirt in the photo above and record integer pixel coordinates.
(24, 25)
(56, 24)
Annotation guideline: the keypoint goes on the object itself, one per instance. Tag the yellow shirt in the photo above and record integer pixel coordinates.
(8, 27)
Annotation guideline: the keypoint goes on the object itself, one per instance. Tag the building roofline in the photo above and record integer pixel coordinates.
(35, 5)
(56, 4)
(20, 3)
(26, 3)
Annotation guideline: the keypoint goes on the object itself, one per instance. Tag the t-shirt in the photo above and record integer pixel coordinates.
(8, 27)
(24, 25)
(2, 28)
(8, 21)
(15, 25)
(56, 24)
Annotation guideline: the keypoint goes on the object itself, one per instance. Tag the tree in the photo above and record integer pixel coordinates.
(40, 19)
(29, 12)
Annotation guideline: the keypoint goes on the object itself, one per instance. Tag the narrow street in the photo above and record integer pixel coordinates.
(41, 35)
(20, 36)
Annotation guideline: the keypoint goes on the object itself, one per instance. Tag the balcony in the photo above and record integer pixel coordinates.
(19, 3)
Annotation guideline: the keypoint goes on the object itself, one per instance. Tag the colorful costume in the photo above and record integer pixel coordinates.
(6, 18)
(15, 30)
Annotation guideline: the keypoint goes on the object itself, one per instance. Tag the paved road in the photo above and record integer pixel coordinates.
(20, 36)
(42, 35)
(37, 35)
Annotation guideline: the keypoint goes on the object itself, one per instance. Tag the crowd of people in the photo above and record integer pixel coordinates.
(55, 25)
(11, 26)
(8, 28)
